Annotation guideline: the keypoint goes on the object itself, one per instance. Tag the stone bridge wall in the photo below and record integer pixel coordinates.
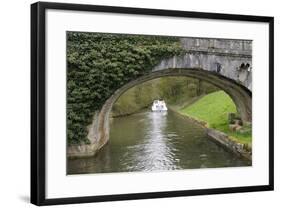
(229, 58)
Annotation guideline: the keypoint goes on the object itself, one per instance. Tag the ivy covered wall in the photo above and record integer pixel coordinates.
(98, 64)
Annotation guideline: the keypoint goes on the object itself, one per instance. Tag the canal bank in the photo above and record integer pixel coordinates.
(232, 144)
(221, 138)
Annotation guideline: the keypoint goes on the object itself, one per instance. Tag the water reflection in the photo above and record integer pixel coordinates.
(154, 141)
(155, 151)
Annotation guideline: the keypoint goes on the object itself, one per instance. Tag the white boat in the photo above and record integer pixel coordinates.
(159, 105)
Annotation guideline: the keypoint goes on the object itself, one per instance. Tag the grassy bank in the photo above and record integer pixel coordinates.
(214, 109)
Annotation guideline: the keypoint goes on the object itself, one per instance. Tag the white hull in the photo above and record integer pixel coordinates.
(159, 105)
(159, 110)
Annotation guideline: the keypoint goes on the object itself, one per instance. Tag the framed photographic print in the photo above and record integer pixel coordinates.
(134, 103)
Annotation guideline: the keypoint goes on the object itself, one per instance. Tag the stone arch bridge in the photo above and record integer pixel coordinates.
(225, 63)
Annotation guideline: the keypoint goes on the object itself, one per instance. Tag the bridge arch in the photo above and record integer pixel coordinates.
(98, 131)
(226, 64)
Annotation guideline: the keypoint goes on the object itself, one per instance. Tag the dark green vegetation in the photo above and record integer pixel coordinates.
(98, 64)
(214, 109)
(176, 91)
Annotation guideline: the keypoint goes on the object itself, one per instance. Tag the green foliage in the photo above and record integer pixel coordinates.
(214, 109)
(135, 99)
(174, 90)
(98, 64)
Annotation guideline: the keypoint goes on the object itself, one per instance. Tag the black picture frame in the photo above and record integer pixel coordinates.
(38, 99)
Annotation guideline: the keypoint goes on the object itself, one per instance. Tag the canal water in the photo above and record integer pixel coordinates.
(155, 141)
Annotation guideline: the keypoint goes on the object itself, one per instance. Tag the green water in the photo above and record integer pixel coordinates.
(155, 141)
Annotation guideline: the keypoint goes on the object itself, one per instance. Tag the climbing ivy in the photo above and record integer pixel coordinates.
(98, 64)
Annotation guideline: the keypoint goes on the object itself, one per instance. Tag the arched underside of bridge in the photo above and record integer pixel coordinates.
(98, 131)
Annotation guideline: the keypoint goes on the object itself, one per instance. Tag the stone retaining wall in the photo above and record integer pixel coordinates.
(222, 139)
(237, 148)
